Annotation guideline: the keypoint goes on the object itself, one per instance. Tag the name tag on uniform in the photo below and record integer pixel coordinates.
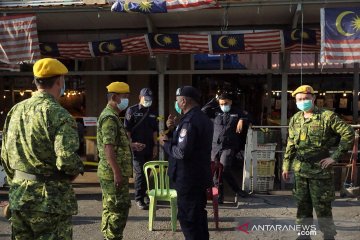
(234, 115)
(138, 114)
(152, 116)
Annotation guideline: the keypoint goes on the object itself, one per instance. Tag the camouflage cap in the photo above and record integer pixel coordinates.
(118, 87)
(303, 89)
(49, 67)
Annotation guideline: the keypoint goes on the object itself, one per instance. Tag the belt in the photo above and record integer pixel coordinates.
(313, 158)
(41, 177)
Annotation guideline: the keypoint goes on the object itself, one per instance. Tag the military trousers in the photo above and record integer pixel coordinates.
(116, 204)
(192, 214)
(318, 194)
(40, 226)
(140, 181)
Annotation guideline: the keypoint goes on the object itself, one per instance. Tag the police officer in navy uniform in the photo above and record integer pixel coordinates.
(229, 123)
(189, 152)
(142, 127)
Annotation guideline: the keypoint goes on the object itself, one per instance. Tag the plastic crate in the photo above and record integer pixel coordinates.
(265, 168)
(264, 184)
(265, 151)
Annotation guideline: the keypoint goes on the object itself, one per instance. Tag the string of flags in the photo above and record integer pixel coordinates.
(155, 43)
(338, 40)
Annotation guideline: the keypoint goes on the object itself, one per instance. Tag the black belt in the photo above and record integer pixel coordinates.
(41, 177)
(312, 158)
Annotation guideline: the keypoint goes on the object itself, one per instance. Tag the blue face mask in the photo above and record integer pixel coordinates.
(177, 108)
(147, 104)
(225, 108)
(62, 91)
(123, 104)
(304, 105)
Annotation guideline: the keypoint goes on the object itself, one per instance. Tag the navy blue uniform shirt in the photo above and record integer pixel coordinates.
(189, 152)
(225, 136)
(144, 132)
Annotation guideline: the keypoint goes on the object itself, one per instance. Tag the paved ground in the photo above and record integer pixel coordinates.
(277, 209)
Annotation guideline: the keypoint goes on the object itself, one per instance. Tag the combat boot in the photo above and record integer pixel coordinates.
(241, 194)
(221, 194)
(329, 237)
(301, 237)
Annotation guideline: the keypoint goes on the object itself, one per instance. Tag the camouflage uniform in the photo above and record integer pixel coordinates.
(309, 142)
(116, 201)
(40, 138)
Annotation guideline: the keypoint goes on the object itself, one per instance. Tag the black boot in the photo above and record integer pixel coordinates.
(329, 237)
(221, 194)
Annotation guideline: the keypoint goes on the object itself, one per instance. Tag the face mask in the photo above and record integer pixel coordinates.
(177, 108)
(62, 90)
(123, 104)
(225, 108)
(147, 103)
(304, 105)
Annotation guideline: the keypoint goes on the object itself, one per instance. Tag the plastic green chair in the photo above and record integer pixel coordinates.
(161, 190)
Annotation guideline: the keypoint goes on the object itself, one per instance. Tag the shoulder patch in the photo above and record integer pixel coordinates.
(183, 132)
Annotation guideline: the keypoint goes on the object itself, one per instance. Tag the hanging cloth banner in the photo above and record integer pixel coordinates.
(340, 35)
(18, 39)
(160, 6)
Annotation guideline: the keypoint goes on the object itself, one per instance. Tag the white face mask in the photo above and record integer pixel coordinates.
(225, 108)
(147, 103)
(123, 104)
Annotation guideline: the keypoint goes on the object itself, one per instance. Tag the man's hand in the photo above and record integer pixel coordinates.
(239, 126)
(117, 180)
(138, 147)
(155, 151)
(285, 176)
(326, 162)
(162, 139)
(171, 121)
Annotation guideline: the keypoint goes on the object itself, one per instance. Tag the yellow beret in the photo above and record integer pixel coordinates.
(303, 89)
(49, 67)
(118, 87)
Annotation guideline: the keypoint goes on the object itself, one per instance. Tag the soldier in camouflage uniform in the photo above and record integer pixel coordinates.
(312, 132)
(115, 166)
(39, 155)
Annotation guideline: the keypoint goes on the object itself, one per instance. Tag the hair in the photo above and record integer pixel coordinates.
(46, 82)
(110, 95)
(224, 96)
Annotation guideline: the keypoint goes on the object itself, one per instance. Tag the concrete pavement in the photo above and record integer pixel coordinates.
(236, 222)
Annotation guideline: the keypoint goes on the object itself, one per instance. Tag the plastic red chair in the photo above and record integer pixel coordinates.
(213, 192)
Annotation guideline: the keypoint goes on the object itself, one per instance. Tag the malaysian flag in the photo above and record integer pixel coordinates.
(103, 48)
(18, 39)
(308, 38)
(265, 41)
(161, 6)
(227, 43)
(177, 43)
(134, 45)
(66, 50)
(340, 35)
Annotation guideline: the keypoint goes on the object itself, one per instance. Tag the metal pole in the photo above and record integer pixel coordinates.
(284, 87)
(161, 95)
(356, 94)
(161, 68)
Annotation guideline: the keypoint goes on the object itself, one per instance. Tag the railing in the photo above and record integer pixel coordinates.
(256, 138)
